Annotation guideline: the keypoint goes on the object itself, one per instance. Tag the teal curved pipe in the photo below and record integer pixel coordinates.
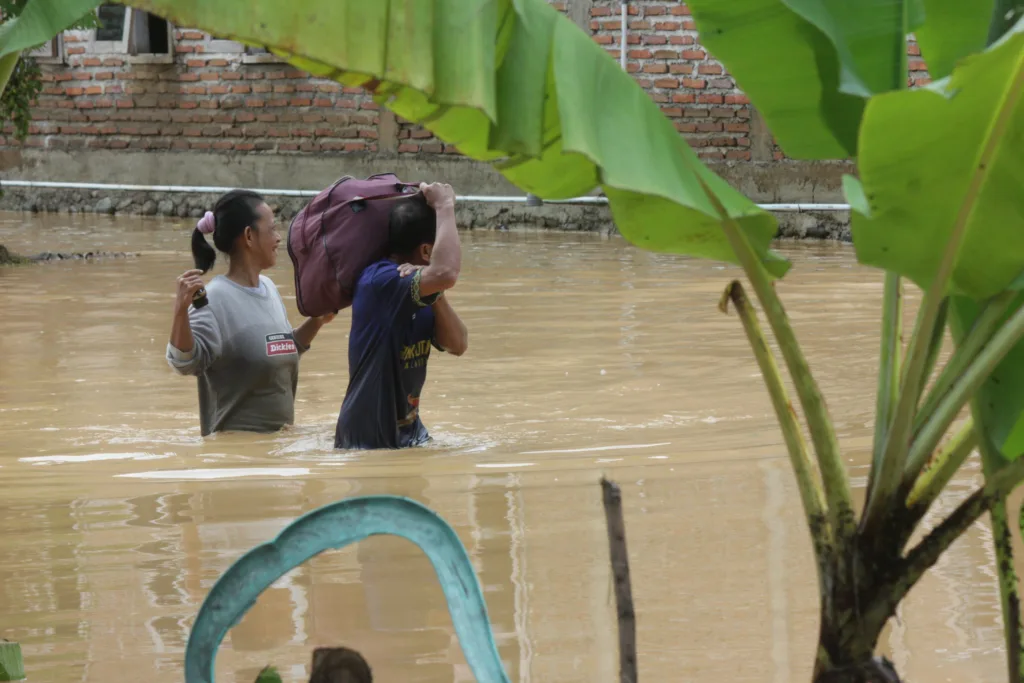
(336, 526)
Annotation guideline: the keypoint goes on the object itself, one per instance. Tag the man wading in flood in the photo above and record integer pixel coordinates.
(398, 312)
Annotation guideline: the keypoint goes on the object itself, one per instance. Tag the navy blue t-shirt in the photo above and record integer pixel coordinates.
(388, 349)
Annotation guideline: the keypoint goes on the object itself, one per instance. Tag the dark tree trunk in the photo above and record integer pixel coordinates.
(874, 670)
(860, 594)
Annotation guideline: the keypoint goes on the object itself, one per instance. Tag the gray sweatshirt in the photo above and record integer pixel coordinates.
(245, 358)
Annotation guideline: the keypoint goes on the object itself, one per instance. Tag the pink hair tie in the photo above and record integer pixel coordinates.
(206, 224)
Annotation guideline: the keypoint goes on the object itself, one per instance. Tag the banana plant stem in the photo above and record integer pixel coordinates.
(961, 392)
(886, 480)
(940, 469)
(993, 464)
(1009, 595)
(810, 488)
(833, 473)
(890, 359)
(976, 338)
(923, 556)
(935, 344)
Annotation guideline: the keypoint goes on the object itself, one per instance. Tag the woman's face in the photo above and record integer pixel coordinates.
(263, 240)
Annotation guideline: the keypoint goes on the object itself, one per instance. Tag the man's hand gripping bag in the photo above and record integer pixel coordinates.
(339, 233)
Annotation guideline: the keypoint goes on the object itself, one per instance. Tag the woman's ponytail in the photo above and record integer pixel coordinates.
(202, 253)
(232, 214)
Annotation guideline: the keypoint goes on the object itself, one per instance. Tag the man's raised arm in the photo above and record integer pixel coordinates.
(446, 256)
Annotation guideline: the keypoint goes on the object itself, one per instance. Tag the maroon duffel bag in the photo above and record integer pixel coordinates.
(339, 233)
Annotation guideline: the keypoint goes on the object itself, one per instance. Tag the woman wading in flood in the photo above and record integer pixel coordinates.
(240, 344)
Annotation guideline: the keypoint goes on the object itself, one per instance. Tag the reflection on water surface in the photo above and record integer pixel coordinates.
(588, 357)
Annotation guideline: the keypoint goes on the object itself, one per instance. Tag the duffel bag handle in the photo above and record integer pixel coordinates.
(358, 203)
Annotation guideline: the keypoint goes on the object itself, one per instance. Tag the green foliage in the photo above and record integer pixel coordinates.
(268, 674)
(25, 83)
(11, 665)
(1000, 401)
(21, 91)
(810, 66)
(11, 8)
(533, 116)
(941, 174)
(800, 97)
(920, 180)
(868, 37)
(953, 30)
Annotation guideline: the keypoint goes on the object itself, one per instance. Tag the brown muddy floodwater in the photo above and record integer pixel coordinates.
(587, 357)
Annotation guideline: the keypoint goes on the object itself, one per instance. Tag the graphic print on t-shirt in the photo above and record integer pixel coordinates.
(281, 344)
(415, 355)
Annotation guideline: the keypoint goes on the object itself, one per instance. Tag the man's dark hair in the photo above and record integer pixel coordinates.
(412, 222)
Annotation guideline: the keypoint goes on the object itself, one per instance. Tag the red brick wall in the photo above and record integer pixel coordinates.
(201, 101)
(918, 75)
(413, 139)
(212, 101)
(665, 57)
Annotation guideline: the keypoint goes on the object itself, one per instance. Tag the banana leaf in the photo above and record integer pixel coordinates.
(944, 156)
(809, 66)
(512, 82)
(953, 29)
(999, 404)
(12, 668)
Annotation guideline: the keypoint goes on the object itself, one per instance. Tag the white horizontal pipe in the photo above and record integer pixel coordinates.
(147, 188)
(805, 207)
(472, 198)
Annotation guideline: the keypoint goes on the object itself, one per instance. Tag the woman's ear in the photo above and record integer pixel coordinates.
(425, 251)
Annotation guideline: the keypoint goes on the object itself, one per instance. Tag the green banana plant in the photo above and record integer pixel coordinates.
(935, 203)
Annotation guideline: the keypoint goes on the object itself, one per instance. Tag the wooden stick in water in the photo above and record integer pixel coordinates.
(623, 589)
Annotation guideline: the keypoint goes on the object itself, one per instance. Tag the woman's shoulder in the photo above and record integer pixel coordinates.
(217, 283)
(270, 286)
(272, 290)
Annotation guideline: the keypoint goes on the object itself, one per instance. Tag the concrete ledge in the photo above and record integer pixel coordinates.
(765, 182)
(497, 216)
(829, 225)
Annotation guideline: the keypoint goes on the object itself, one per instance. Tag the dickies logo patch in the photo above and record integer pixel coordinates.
(281, 345)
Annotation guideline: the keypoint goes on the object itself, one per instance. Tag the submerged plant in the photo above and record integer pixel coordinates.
(937, 204)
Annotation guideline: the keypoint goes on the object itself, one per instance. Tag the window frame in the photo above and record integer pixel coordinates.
(111, 46)
(126, 46)
(56, 52)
